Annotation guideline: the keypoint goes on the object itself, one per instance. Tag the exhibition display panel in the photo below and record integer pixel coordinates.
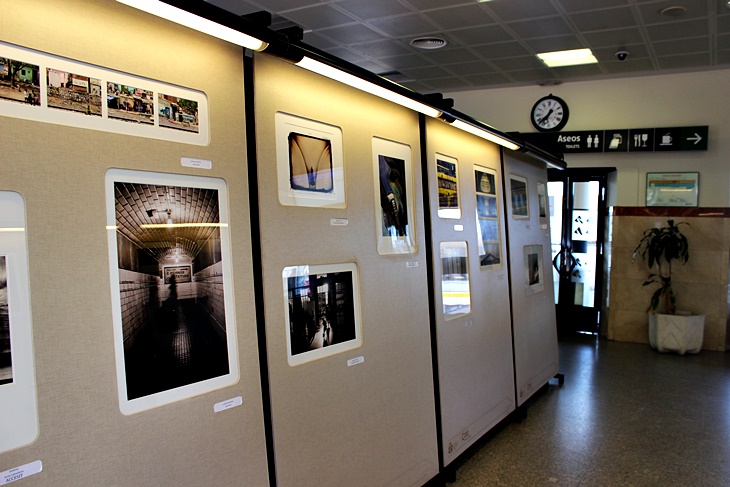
(472, 315)
(344, 284)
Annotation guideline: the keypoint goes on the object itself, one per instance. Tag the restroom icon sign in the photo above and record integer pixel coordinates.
(616, 140)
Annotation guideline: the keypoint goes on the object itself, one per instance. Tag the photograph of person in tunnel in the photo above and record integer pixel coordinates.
(171, 286)
(321, 311)
(6, 365)
(310, 163)
(393, 198)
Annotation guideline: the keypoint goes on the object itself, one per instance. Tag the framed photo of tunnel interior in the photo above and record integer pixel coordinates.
(172, 295)
(309, 162)
(322, 309)
(18, 402)
(394, 213)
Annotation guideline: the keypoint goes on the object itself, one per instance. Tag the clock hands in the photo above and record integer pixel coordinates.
(544, 119)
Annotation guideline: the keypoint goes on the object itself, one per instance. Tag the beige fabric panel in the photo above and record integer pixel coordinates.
(373, 423)
(534, 327)
(475, 350)
(84, 439)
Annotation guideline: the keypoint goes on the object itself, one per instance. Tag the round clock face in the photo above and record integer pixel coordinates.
(549, 113)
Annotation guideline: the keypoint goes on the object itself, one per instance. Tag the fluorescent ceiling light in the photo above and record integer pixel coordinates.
(567, 58)
(366, 86)
(479, 132)
(182, 17)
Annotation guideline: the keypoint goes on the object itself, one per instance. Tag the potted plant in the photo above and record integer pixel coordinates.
(669, 329)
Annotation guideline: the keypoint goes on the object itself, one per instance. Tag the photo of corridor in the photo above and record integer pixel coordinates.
(6, 369)
(170, 264)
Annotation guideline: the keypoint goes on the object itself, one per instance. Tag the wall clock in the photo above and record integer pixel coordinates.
(550, 113)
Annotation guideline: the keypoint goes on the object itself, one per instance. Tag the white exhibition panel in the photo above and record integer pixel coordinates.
(59, 171)
(533, 305)
(365, 414)
(474, 348)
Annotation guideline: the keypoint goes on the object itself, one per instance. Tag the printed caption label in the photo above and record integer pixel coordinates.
(17, 473)
(230, 403)
(199, 163)
(355, 361)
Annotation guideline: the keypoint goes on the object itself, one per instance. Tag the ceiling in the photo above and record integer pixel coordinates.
(493, 44)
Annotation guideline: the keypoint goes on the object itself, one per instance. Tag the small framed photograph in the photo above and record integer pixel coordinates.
(20, 81)
(309, 161)
(672, 189)
(394, 216)
(455, 287)
(534, 275)
(130, 104)
(489, 240)
(73, 92)
(322, 309)
(542, 204)
(519, 198)
(447, 177)
(172, 294)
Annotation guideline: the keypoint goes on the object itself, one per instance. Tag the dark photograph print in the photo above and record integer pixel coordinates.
(533, 265)
(74, 92)
(447, 184)
(321, 311)
(518, 190)
(178, 113)
(129, 104)
(171, 286)
(485, 182)
(19, 81)
(310, 163)
(393, 198)
(6, 363)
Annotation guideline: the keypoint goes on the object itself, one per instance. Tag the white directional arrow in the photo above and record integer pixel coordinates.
(696, 138)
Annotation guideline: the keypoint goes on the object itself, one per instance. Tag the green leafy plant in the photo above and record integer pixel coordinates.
(660, 247)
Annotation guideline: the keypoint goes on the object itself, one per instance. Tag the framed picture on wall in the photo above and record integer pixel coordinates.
(309, 162)
(488, 227)
(394, 215)
(172, 298)
(542, 204)
(447, 178)
(519, 197)
(534, 272)
(672, 189)
(18, 402)
(322, 310)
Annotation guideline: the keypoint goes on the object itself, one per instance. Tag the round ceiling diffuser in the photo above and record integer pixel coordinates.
(674, 11)
(428, 43)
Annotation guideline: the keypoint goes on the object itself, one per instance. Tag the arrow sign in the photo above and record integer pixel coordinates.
(696, 138)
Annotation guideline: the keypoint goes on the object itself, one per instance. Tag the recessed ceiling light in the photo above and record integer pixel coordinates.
(567, 58)
(428, 43)
(674, 11)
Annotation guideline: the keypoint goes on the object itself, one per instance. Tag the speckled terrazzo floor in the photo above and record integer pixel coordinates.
(625, 416)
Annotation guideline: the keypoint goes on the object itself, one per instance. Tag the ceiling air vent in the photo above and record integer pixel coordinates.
(428, 43)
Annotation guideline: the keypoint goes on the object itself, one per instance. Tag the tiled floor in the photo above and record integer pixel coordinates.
(626, 416)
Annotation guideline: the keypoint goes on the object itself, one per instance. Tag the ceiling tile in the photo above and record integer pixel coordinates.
(429, 72)
(650, 12)
(404, 25)
(531, 75)
(501, 49)
(238, 7)
(578, 71)
(460, 17)
(723, 57)
(529, 29)
(417, 86)
(372, 9)
(677, 30)
(581, 5)
(318, 41)
(560, 43)
(608, 54)
(378, 49)
(723, 24)
(514, 63)
(430, 4)
(450, 56)
(723, 41)
(447, 83)
(630, 66)
(318, 17)
(284, 5)
(346, 54)
(407, 61)
(352, 34)
(684, 46)
(481, 35)
(519, 10)
(468, 69)
(684, 61)
(487, 79)
(614, 38)
(615, 18)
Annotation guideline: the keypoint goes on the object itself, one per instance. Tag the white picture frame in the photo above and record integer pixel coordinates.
(447, 184)
(313, 176)
(152, 211)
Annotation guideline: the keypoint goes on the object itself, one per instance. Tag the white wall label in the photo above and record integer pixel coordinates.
(199, 163)
(411, 265)
(355, 361)
(468, 323)
(339, 222)
(17, 473)
(230, 403)
(458, 228)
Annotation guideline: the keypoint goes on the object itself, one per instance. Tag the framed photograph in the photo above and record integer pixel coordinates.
(322, 309)
(534, 275)
(447, 178)
(519, 198)
(672, 189)
(489, 239)
(394, 216)
(309, 162)
(130, 104)
(20, 81)
(542, 205)
(73, 92)
(178, 113)
(18, 402)
(455, 288)
(172, 296)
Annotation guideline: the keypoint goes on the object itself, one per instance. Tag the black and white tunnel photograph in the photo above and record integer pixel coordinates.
(171, 286)
(6, 363)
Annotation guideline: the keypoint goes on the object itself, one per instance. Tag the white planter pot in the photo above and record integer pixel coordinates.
(681, 333)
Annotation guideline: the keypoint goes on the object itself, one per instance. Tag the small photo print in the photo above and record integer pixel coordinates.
(447, 184)
(486, 206)
(541, 200)
(20, 81)
(74, 92)
(178, 113)
(518, 192)
(6, 363)
(310, 163)
(393, 198)
(130, 104)
(489, 230)
(487, 218)
(322, 311)
(485, 182)
(533, 268)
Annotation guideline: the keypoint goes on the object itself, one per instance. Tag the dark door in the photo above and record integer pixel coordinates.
(577, 200)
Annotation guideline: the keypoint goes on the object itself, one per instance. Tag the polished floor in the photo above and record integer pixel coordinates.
(625, 416)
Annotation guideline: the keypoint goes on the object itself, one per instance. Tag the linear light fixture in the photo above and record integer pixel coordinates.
(197, 22)
(366, 86)
(480, 132)
(573, 57)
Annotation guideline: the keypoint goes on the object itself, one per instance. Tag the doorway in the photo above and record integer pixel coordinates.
(577, 199)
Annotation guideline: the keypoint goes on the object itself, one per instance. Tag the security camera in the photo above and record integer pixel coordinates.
(622, 55)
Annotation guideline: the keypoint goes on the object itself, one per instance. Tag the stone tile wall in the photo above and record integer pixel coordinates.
(136, 293)
(209, 292)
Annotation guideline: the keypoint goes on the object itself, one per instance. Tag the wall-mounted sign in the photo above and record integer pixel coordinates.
(621, 140)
